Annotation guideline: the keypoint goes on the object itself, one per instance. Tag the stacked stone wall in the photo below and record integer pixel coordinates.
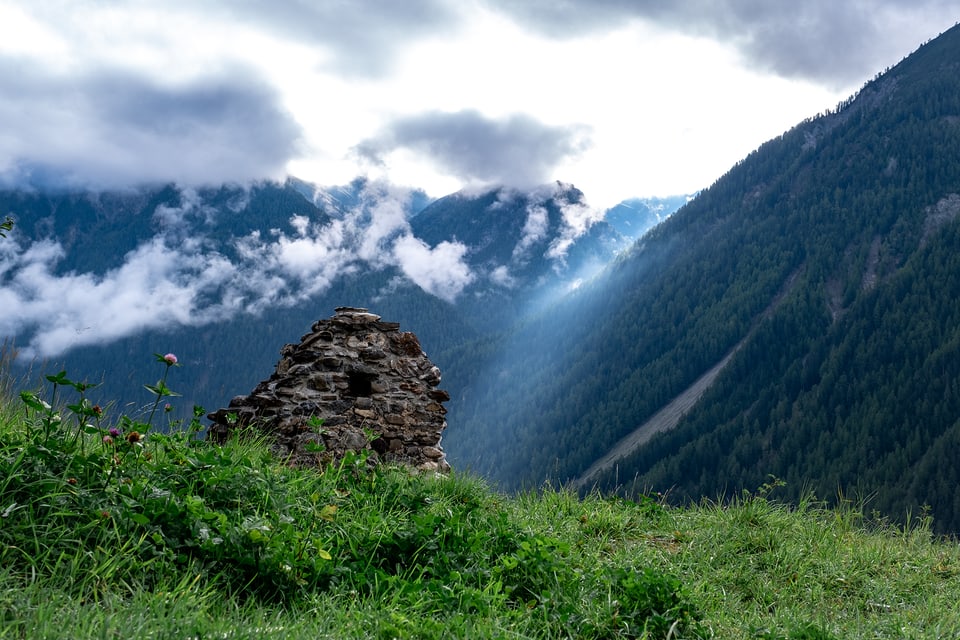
(353, 383)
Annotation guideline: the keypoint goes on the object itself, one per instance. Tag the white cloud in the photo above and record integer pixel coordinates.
(301, 224)
(578, 217)
(440, 271)
(180, 278)
(284, 270)
(378, 222)
(316, 258)
(623, 99)
(534, 229)
(501, 276)
(157, 286)
(173, 218)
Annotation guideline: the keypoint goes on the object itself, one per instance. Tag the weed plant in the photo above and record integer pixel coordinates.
(112, 528)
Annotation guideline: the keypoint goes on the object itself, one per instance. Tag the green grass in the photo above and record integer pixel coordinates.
(167, 536)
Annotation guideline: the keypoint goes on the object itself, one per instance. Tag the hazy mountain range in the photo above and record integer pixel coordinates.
(799, 318)
(91, 280)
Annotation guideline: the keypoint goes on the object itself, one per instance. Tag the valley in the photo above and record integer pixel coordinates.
(799, 318)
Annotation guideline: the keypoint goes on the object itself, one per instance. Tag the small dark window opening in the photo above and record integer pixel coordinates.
(359, 383)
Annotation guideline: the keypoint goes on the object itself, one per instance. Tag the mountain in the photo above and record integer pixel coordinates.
(97, 231)
(343, 199)
(96, 282)
(522, 246)
(800, 318)
(635, 216)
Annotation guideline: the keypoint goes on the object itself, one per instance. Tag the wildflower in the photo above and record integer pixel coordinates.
(107, 440)
(168, 407)
(71, 481)
(170, 359)
(97, 410)
(134, 437)
(104, 514)
(114, 432)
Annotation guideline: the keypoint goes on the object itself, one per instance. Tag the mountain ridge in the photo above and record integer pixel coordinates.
(251, 264)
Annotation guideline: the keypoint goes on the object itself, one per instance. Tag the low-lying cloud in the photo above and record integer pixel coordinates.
(157, 286)
(181, 277)
(577, 217)
(440, 270)
(516, 151)
(185, 276)
(535, 228)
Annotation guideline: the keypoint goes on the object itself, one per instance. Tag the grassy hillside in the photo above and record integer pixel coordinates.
(110, 529)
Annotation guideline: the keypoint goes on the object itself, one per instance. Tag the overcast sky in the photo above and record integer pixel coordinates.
(619, 97)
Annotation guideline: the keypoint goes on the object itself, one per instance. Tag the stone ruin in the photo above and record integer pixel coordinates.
(370, 383)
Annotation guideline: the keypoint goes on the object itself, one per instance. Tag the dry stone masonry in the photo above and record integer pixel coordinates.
(370, 383)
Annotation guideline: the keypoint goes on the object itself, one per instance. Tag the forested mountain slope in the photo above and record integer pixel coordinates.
(852, 383)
